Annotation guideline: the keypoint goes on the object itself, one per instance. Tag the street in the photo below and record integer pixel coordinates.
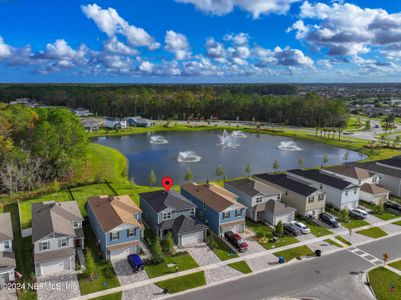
(334, 277)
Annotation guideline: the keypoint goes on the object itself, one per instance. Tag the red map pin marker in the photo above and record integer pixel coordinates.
(167, 183)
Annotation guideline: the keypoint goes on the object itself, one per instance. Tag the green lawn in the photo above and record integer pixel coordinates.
(331, 242)
(294, 252)
(383, 281)
(374, 232)
(241, 266)
(345, 241)
(354, 223)
(133, 190)
(386, 215)
(184, 262)
(396, 264)
(221, 249)
(106, 277)
(115, 296)
(397, 223)
(183, 283)
(268, 234)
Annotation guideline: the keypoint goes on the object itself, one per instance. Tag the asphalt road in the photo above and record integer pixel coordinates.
(333, 277)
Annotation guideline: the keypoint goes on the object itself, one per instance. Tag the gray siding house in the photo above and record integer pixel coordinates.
(56, 232)
(171, 211)
(7, 259)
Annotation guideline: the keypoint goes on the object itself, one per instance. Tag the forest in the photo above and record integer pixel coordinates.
(262, 103)
(38, 146)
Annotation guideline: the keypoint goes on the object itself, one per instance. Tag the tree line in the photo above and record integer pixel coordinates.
(38, 146)
(260, 103)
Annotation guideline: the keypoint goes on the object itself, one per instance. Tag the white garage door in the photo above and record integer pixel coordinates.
(121, 253)
(52, 267)
(239, 228)
(283, 219)
(192, 238)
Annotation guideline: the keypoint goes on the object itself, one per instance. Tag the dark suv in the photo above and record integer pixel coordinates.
(291, 229)
(392, 206)
(236, 241)
(329, 220)
(135, 262)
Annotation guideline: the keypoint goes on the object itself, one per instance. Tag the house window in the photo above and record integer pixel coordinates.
(311, 199)
(259, 199)
(226, 215)
(44, 246)
(355, 191)
(193, 212)
(7, 245)
(167, 215)
(238, 212)
(76, 224)
(114, 236)
(286, 192)
(131, 232)
(136, 216)
(63, 242)
(321, 186)
(278, 196)
(204, 205)
(346, 193)
(321, 197)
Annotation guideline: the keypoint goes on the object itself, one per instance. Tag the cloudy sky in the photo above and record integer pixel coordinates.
(200, 41)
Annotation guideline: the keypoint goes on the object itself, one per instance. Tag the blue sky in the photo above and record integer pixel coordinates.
(200, 41)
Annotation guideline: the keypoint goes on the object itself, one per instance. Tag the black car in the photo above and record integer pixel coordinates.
(329, 220)
(392, 206)
(291, 229)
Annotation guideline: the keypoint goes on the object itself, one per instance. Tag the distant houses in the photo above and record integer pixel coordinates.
(91, 124)
(82, 112)
(139, 122)
(115, 123)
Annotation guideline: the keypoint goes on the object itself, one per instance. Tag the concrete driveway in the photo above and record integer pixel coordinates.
(334, 230)
(126, 275)
(58, 287)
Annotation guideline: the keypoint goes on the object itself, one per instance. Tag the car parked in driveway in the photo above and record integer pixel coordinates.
(358, 213)
(329, 220)
(291, 229)
(301, 226)
(236, 240)
(392, 206)
(135, 262)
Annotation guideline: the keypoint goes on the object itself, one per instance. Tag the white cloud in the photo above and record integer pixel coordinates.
(215, 50)
(254, 7)
(285, 57)
(5, 50)
(109, 21)
(146, 67)
(113, 45)
(178, 44)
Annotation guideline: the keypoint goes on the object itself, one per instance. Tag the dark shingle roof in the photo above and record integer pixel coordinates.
(287, 183)
(374, 167)
(317, 176)
(278, 208)
(160, 200)
(183, 224)
(392, 162)
(252, 187)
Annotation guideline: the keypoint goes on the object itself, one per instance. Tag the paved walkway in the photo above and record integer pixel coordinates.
(393, 269)
(58, 287)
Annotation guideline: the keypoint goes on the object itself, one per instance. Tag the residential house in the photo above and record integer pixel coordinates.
(368, 182)
(340, 193)
(115, 123)
(389, 172)
(217, 207)
(139, 122)
(7, 259)
(163, 212)
(32, 103)
(91, 124)
(259, 199)
(307, 200)
(117, 224)
(56, 232)
(82, 112)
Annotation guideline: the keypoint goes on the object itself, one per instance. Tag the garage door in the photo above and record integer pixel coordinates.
(192, 238)
(3, 278)
(283, 219)
(52, 267)
(239, 228)
(121, 253)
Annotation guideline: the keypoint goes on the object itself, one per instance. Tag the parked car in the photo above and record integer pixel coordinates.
(236, 240)
(329, 220)
(291, 229)
(358, 213)
(135, 262)
(392, 206)
(301, 226)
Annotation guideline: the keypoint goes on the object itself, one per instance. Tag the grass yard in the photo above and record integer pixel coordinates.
(354, 223)
(221, 249)
(115, 296)
(184, 262)
(294, 252)
(343, 240)
(334, 243)
(387, 215)
(396, 264)
(383, 282)
(106, 277)
(183, 283)
(82, 193)
(374, 232)
(241, 266)
(267, 234)
(134, 190)
(397, 223)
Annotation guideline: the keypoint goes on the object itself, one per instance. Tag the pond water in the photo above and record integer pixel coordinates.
(171, 153)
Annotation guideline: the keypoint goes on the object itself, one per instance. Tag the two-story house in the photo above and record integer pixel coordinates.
(368, 181)
(117, 224)
(7, 259)
(260, 200)
(163, 212)
(340, 193)
(115, 123)
(307, 200)
(217, 207)
(56, 231)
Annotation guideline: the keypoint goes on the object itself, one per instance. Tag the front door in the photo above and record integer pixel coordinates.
(77, 242)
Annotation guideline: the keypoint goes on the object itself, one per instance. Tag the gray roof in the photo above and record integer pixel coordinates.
(6, 228)
(252, 187)
(392, 162)
(7, 259)
(374, 167)
(54, 217)
(183, 224)
(287, 183)
(160, 200)
(317, 176)
(53, 255)
(277, 208)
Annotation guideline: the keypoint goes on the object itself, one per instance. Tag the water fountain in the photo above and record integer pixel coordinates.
(188, 157)
(289, 146)
(238, 134)
(158, 139)
(226, 140)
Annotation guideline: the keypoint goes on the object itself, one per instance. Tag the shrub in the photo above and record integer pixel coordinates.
(157, 251)
(168, 244)
(279, 230)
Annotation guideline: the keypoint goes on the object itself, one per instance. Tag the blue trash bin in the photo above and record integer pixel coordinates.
(281, 259)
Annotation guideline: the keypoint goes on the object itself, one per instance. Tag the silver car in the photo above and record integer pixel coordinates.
(301, 226)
